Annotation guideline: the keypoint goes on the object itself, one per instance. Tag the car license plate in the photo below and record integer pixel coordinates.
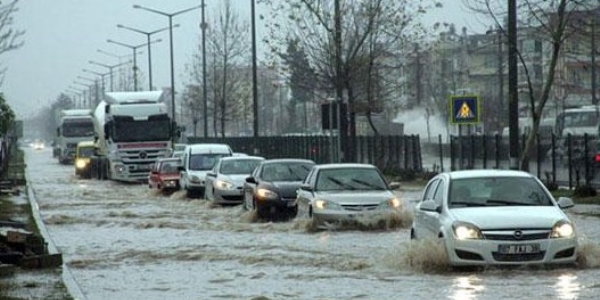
(519, 248)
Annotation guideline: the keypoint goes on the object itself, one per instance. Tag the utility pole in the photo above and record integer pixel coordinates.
(513, 101)
(339, 89)
(254, 77)
(593, 58)
(204, 92)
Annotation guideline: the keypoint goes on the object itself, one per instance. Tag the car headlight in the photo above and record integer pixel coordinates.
(562, 229)
(326, 204)
(80, 164)
(466, 231)
(223, 185)
(170, 183)
(266, 194)
(390, 203)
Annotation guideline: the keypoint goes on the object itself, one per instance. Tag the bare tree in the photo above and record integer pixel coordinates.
(342, 46)
(10, 38)
(554, 22)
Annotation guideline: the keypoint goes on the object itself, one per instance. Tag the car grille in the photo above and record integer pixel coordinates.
(360, 207)
(518, 257)
(234, 198)
(510, 235)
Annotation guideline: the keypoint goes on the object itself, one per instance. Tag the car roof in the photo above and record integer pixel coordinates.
(486, 173)
(288, 160)
(226, 158)
(344, 166)
(208, 148)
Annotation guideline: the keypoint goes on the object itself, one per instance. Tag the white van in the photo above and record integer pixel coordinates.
(197, 160)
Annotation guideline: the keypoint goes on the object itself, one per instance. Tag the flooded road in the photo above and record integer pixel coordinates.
(121, 241)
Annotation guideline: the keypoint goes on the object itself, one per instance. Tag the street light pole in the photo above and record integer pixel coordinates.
(101, 77)
(110, 70)
(203, 26)
(170, 16)
(134, 48)
(148, 35)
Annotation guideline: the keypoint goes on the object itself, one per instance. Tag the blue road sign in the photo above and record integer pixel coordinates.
(464, 110)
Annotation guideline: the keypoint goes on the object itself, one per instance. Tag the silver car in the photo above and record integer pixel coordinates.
(495, 217)
(224, 184)
(340, 193)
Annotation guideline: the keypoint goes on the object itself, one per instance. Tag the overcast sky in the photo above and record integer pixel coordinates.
(63, 35)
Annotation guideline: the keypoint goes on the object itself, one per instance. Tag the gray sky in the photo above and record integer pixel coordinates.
(63, 35)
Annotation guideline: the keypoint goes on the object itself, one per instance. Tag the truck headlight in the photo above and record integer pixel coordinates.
(120, 168)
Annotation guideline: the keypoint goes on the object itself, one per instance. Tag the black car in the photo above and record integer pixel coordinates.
(271, 189)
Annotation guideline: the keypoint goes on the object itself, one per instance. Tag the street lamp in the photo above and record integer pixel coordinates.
(148, 34)
(101, 77)
(110, 70)
(134, 48)
(170, 16)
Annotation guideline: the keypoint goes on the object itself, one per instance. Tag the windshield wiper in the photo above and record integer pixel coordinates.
(507, 202)
(370, 185)
(464, 203)
(345, 186)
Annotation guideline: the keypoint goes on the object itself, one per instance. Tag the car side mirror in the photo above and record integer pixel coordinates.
(430, 205)
(565, 202)
(306, 187)
(251, 180)
(211, 174)
(180, 169)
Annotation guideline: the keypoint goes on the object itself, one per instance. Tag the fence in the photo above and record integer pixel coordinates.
(569, 161)
(390, 153)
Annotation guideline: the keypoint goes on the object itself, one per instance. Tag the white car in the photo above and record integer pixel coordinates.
(495, 217)
(225, 183)
(197, 160)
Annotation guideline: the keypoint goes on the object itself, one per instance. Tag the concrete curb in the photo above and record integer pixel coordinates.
(68, 278)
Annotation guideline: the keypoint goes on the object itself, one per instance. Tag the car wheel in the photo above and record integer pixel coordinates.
(293, 212)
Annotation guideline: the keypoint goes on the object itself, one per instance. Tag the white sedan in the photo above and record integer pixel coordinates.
(495, 217)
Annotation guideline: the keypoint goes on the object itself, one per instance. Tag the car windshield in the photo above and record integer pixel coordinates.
(204, 162)
(86, 151)
(497, 191)
(286, 171)
(169, 167)
(241, 166)
(350, 179)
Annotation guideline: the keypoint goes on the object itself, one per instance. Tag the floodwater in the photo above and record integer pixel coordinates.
(122, 241)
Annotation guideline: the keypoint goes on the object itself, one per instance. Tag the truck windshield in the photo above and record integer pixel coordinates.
(141, 131)
(78, 129)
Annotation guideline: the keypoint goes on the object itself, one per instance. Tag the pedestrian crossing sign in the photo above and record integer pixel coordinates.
(464, 110)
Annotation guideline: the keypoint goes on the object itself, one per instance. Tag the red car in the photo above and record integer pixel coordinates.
(165, 174)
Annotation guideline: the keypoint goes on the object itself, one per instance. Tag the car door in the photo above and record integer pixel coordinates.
(249, 188)
(210, 178)
(305, 197)
(153, 175)
(421, 217)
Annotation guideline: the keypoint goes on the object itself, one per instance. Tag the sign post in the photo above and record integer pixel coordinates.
(464, 110)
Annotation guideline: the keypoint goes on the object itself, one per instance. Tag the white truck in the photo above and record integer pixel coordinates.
(133, 130)
(74, 126)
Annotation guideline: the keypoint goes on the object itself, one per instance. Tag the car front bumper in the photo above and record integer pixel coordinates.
(361, 217)
(487, 252)
(229, 196)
